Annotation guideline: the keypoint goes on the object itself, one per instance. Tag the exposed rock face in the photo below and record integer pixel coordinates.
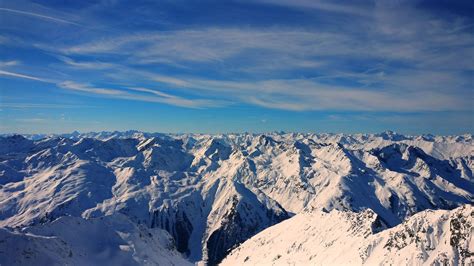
(240, 222)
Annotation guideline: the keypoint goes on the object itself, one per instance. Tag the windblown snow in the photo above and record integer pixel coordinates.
(211, 193)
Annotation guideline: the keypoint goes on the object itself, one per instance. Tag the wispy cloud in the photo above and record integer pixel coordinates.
(168, 80)
(127, 93)
(71, 85)
(9, 105)
(3, 39)
(372, 64)
(140, 94)
(9, 63)
(38, 15)
(329, 6)
(308, 94)
(390, 57)
(288, 48)
(217, 45)
(22, 76)
(92, 65)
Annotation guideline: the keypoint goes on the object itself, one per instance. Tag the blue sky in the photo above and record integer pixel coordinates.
(237, 66)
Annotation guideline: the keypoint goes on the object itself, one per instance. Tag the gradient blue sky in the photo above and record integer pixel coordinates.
(236, 66)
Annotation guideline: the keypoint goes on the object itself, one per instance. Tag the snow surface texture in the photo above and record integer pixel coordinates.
(110, 240)
(345, 238)
(212, 192)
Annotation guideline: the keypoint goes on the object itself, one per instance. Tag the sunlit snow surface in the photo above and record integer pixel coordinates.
(212, 192)
(344, 238)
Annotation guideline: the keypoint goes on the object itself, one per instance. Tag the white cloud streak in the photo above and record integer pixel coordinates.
(329, 6)
(94, 65)
(39, 16)
(288, 48)
(304, 94)
(71, 85)
(9, 63)
(42, 106)
(144, 95)
(22, 76)
(129, 93)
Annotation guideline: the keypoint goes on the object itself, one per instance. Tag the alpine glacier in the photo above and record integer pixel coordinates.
(213, 192)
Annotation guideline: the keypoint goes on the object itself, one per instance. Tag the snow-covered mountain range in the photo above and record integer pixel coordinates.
(213, 192)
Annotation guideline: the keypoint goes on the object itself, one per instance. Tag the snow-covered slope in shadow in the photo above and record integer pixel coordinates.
(110, 240)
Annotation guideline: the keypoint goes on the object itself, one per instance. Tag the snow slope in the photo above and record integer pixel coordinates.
(110, 240)
(212, 192)
(346, 238)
